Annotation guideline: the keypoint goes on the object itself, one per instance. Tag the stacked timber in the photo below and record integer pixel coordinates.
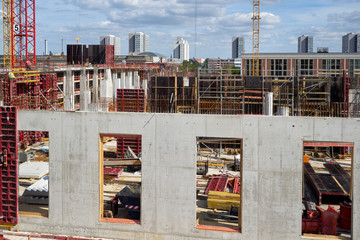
(223, 200)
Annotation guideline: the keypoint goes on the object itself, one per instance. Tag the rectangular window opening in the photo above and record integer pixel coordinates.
(327, 189)
(33, 172)
(120, 178)
(219, 184)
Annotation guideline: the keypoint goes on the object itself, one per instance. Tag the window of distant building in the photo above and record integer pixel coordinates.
(305, 66)
(354, 68)
(278, 67)
(248, 67)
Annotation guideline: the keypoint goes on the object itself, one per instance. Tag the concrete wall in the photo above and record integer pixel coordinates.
(272, 171)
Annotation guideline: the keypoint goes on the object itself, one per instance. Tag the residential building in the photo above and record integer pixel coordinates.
(138, 42)
(238, 47)
(305, 44)
(216, 64)
(351, 43)
(111, 40)
(305, 64)
(181, 49)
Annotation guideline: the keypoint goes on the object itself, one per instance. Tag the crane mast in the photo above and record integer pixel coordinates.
(19, 34)
(256, 38)
(7, 42)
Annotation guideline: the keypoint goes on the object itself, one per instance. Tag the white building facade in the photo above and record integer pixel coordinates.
(305, 44)
(181, 49)
(351, 43)
(111, 40)
(138, 42)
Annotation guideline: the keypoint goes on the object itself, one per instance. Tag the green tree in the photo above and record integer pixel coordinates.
(187, 65)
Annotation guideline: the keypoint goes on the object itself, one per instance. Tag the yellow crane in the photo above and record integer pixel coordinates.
(256, 38)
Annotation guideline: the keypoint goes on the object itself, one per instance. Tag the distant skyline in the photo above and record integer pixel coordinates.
(282, 22)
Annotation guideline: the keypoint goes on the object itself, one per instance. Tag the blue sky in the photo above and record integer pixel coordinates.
(217, 21)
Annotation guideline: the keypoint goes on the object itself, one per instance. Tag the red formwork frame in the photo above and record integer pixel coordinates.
(27, 138)
(9, 167)
(49, 91)
(23, 33)
(123, 142)
(109, 55)
(130, 100)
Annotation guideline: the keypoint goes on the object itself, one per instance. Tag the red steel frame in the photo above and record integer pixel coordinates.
(130, 100)
(23, 46)
(8, 166)
(125, 141)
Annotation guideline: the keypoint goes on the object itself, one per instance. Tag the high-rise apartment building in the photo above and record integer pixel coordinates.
(181, 49)
(238, 47)
(351, 43)
(138, 42)
(111, 40)
(305, 44)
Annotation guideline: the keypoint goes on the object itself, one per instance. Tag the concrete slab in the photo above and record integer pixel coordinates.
(39, 189)
(33, 169)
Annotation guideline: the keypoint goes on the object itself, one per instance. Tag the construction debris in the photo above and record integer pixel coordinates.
(38, 193)
(223, 200)
(33, 170)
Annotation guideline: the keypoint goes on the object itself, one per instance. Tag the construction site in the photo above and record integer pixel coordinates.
(92, 147)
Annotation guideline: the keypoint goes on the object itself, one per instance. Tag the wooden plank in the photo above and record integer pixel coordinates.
(122, 163)
(101, 176)
(320, 236)
(327, 144)
(352, 173)
(222, 200)
(220, 140)
(127, 181)
(32, 214)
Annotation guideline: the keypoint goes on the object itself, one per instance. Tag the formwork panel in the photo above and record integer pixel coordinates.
(134, 142)
(8, 166)
(130, 100)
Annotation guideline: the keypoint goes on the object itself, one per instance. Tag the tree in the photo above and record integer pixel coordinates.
(187, 65)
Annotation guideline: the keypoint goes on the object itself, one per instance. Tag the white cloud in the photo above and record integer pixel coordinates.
(217, 21)
(293, 40)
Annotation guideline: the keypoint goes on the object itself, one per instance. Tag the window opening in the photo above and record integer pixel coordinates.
(327, 188)
(120, 178)
(218, 184)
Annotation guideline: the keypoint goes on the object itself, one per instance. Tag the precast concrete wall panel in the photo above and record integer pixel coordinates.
(272, 172)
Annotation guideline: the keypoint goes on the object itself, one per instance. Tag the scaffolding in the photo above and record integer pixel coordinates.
(219, 91)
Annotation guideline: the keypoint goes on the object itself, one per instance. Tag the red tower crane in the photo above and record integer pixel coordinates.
(22, 85)
(23, 34)
(19, 34)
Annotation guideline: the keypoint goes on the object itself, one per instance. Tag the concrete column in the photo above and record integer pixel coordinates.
(116, 83)
(268, 105)
(136, 80)
(283, 111)
(69, 91)
(87, 101)
(88, 79)
(95, 89)
(145, 86)
(354, 98)
(123, 79)
(106, 85)
(128, 81)
(85, 95)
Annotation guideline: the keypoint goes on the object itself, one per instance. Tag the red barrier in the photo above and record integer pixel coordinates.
(345, 216)
(311, 226)
(329, 221)
(8, 166)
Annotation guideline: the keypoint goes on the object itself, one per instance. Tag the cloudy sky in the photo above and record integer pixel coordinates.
(282, 21)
